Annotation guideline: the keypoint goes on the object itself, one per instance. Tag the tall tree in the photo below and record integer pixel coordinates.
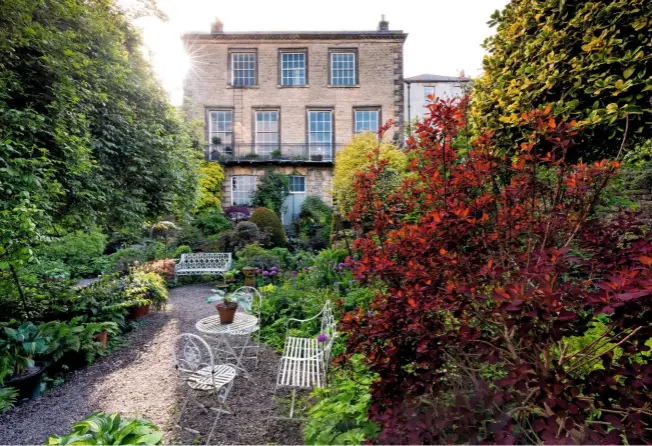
(588, 60)
(87, 136)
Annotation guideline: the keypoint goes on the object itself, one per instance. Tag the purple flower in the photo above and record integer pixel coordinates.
(294, 273)
(274, 268)
(323, 337)
(342, 265)
(258, 271)
(265, 273)
(334, 268)
(305, 268)
(330, 262)
(273, 273)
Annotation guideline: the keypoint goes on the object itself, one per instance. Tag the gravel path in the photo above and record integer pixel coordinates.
(139, 379)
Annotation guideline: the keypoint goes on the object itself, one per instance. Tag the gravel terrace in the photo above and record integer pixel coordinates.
(139, 379)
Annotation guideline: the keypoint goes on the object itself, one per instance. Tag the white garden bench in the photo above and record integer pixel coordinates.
(199, 264)
(305, 360)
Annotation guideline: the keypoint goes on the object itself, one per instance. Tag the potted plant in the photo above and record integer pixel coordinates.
(316, 157)
(252, 156)
(276, 154)
(19, 346)
(227, 305)
(216, 140)
(250, 275)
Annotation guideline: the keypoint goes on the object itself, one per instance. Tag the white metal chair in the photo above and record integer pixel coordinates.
(198, 374)
(305, 360)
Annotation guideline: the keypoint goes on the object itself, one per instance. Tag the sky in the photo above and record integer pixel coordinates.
(444, 35)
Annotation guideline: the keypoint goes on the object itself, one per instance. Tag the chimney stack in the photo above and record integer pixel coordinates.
(383, 25)
(217, 27)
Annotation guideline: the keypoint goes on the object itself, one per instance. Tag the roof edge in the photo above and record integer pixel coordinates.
(306, 35)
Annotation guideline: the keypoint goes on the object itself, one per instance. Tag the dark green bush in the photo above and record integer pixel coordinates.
(124, 259)
(314, 223)
(78, 250)
(213, 221)
(233, 240)
(191, 236)
(255, 255)
(270, 223)
(271, 190)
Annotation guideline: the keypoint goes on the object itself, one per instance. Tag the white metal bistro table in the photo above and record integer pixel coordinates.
(211, 327)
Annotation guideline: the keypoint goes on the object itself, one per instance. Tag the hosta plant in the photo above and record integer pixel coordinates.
(511, 311)
(18, 347)
(103, 428)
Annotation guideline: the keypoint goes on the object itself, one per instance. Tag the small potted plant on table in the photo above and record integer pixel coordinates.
(228, 305)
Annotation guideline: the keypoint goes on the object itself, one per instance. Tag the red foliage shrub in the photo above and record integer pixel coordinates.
(494, 267)
(163, 267)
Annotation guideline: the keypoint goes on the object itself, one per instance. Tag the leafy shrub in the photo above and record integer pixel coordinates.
(490, 273)
(355, 157)
(257, 256)
(164, 268)
(163, 229)
(78, 251)
(155, 251)
(8, 397)
(212, 221)
(18, 347)
(211, 177)
(244, 233)
(103, 428)
(270, 223)
(183, 249)
(271, 191)
(191, 236)
(584, 59)
(74, 337)
(289, 301)
(147, 286)
(340, 415)
(314, 223)
(124, 259)
(328, 269)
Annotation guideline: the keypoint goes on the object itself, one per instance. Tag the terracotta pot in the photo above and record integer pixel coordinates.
(226, 311)
(250, 276)
(102, 337)
(138, 312)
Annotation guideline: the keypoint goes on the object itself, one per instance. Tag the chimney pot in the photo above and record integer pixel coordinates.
(217, 26)
(383, 25)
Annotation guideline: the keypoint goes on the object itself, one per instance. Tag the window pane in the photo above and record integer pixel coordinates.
(320, 135)
(297, 184)
(242, 188)
(293, 69)
(243, 69)
(221, 126)
(267, 138)
(343, 69)
(366, 121)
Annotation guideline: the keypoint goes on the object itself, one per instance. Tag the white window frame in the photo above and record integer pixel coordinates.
(233, 69)
(319, 144)
(365, 110)
(332, 78)
(294, 70)
(273, 145)
(290, 177)
(249, 177)
(426, 89)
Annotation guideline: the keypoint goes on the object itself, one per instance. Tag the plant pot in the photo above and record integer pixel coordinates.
(316, 157)
(102, 337)
(138, 312)
(226, 311)
(250, 276)
(28, 383)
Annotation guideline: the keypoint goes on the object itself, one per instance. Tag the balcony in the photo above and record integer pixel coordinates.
(271, 153)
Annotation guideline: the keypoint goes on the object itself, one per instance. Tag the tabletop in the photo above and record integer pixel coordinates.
(241, 322)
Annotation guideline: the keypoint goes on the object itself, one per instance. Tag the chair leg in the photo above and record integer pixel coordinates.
(294, 396)
(210, 435)
(183, 409)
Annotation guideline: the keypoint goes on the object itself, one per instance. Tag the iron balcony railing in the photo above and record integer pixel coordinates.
(271, 152)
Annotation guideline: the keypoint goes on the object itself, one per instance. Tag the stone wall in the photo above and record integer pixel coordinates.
(319, 180)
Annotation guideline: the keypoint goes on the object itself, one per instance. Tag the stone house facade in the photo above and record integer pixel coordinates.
(288, 101)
